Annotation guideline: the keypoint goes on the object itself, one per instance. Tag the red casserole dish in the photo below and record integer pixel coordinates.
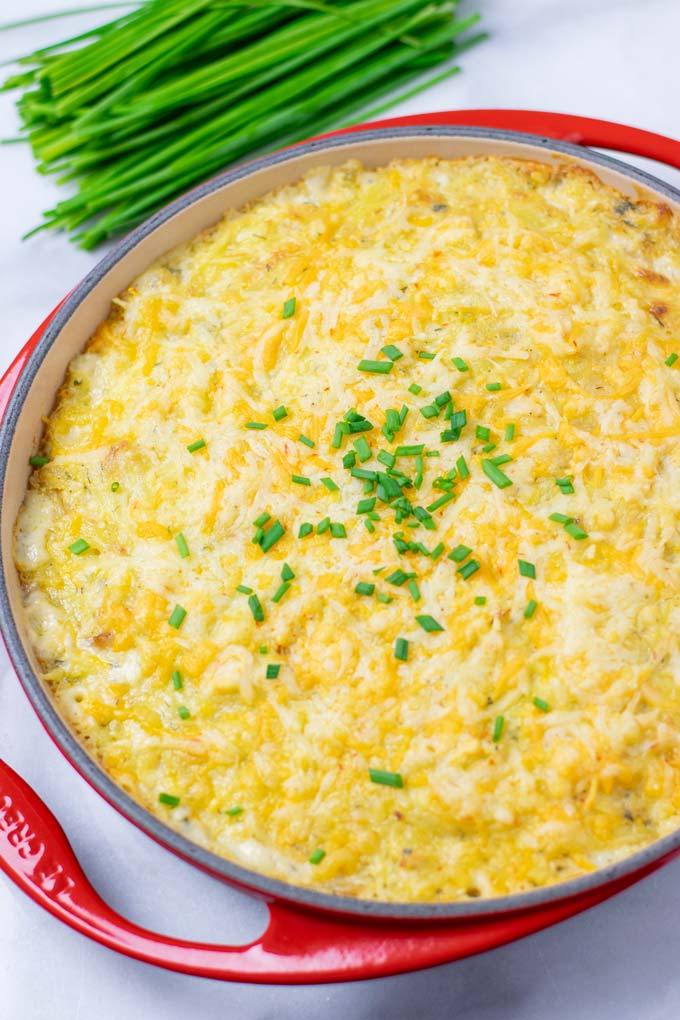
(311, 936)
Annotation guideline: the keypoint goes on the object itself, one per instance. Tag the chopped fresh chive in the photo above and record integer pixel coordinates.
(257, 537)
(392, 352)
(244, 589)
(115, 486)
(177, 617)
(561, 518)
(393, 420)
(509, 433)
(401, 649)
(575, 531)
(256, 609)
(177, 680)
(272, 535)
(388, 459)
(402, 414)
(428, 623)
(272, 671)
(385, 598)
(415, 389)
(419, 475)
(79, 546)
(495, 474)
(307, 441)
(338, 530)
(429, 411)
(567, 489)
(398, 577)
(323, 525)
(341, 429)
(384, 778)
(362, 448)
(259, 425)
(198, 444)
(442, 501)
(437, 551)
(493, 387)
(361, 425)
(263, 519)
(443, 399)
(364, 588)
(350, 459)
(526, 569)
(414, 591)
(370, 526)
(498, 728)
(289, 308)
(168, 799)
(263, 649)
(541, 704)
(488, 448)
(279, 412)
(461, 365)
(480, 600)
(503, 458)
(432, 453)
(183, 712)
(38, 461)
(409, 451)
(317, 856)
(426, 355)
(330, 484)
(468, 569)
(182, 545)
(301, 479)
(365, 506)
(305, 529)
(287, 574)
(564, 481)
(671, 359)
(371, 476)
(531, 607)
(376, 367)
(459, 553)
(234, 811)
(280, 591)
(462, 468)
(458, 419)
(424, 517)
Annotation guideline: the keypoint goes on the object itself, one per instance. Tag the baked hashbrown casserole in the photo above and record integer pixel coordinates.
(351, 549)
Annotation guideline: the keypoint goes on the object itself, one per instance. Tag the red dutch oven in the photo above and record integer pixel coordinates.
(312, 936)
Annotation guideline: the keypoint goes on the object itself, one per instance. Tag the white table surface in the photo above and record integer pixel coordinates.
(616, 59)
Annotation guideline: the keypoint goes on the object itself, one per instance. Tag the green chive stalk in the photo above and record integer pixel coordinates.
(133, 113)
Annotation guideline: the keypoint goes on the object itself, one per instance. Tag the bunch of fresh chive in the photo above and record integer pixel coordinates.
(149, 104)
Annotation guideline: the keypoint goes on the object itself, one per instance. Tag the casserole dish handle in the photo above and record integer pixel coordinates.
(565, 127)
(298, 946)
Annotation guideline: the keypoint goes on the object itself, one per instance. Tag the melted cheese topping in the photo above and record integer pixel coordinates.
(541, 279)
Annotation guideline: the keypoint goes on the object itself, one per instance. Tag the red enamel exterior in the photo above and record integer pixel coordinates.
(300, 945)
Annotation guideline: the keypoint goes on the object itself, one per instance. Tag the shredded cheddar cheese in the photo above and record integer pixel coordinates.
(239, 596)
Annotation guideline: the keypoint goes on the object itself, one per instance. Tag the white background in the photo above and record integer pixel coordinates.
(616, 59)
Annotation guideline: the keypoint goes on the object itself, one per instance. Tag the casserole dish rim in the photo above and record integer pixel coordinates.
(66, 739)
